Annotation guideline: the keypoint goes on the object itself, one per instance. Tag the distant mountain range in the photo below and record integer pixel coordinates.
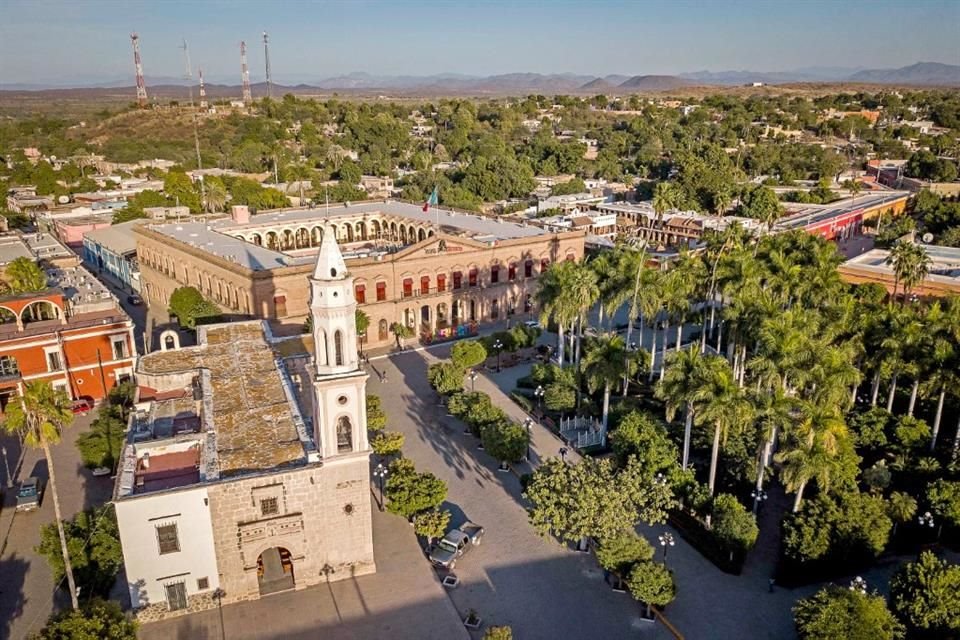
(920, 74)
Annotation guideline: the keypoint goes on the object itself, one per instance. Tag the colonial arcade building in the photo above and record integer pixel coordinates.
(440, 272)
(226, 491)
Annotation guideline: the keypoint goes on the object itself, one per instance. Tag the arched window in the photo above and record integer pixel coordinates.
(383, 329)
(337, 348)
(344, 435)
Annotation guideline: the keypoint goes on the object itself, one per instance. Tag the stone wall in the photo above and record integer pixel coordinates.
(325, 537)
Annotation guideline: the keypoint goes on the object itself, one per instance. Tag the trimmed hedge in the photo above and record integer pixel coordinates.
(701, 539)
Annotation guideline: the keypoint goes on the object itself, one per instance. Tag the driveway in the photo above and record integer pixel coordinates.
(27, 593)
(517, 578)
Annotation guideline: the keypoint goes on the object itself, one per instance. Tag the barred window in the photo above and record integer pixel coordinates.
(269, 507)
(167, 539)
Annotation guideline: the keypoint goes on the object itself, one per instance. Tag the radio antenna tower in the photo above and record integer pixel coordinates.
(188, 73)
(245, 74)
(266, 59)
(203, 92)
(141, 85)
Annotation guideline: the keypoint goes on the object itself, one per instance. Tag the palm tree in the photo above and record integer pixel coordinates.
(580, 292)
(216, 195)
(39, 417)
(665, 197)
(725, 407)
(910, 263)
(943, 357)
(299, 173)
(683, 386)
(813, 450)
(774, 413)
(554, 300)
(604, 364)
(900, 508)
(400, 332)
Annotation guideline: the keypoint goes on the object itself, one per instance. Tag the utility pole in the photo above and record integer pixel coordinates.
(245, 74)
(266, 60)
(141, 84)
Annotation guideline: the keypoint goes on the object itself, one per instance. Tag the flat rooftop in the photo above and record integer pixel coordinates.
(943, 277)
(217, 236)
(243, 399)
(37, 246)
(807, 214)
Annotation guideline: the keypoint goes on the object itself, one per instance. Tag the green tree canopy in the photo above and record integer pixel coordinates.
(178, 187)
(835, 612)
(93, 541)
(652, 583)
(505, 440)
(96, 620)
(926, 595)
(733, 526)
(409, 492)
(467, 354)
(23, 275)
(189, 305)
(620, 552)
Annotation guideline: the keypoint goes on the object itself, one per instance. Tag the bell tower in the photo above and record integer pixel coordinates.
(339, 411)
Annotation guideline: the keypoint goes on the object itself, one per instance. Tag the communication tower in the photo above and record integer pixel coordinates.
(141, 84)
(266, 60)
(245, 74)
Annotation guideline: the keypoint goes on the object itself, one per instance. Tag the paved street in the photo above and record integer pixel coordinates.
(404, 599)
(26, 583)
(516, 578)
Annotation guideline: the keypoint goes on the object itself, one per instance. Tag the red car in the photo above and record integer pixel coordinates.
(82, 406)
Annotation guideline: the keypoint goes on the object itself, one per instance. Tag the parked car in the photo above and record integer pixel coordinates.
(81, 406)
(30, 494)
(533, 324)
(456, 543)
(134, 299)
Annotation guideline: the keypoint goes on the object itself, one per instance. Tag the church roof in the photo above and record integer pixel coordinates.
(329, 264)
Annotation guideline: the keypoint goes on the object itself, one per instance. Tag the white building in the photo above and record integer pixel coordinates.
(225, 492)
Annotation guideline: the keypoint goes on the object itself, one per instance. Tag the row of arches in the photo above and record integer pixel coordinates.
(36, 311)
(211, 286)
(306, 237)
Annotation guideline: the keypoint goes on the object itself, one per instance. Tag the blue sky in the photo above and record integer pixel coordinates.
(59, 41)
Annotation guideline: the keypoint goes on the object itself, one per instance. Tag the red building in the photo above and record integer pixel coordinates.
(74, 336)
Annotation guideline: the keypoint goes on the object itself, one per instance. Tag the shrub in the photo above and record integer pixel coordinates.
(409, 493)
(733, 526)
(445, 377)
(619, 553)
(926, 595)
(498, 633)
(525, 403)
(387, 443)
(431, 524)
(911, 432)
(376, 418)
(944, 498)
(191, 308)
(468, 354)
(652, 583)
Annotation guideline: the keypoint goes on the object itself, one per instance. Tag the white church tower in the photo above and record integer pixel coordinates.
(340, 409)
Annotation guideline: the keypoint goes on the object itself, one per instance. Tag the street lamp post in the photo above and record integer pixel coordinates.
(6, 464)
(758, 495)
(218, 593)
(538, 394)
(859, 584)
(380, 472)
(499, 347)
(666, 540)
(473, 380)
(926, 520)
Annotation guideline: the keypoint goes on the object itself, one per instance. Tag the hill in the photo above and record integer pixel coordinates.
(654, 83)
(922, 73)
(597, 85)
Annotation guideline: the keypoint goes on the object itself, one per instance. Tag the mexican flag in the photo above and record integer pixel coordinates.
(433, 200)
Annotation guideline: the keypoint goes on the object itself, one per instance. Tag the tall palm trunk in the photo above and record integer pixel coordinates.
(936, 419)
(764, 456)
(956, 441)
(719, 335)
(893, 391)
(561, 345)
(913, 397)
(799, 497)
(67, 566)
(666, 340)
(679, 334)
(653, 352)
(875, 391)
(714, 457)
(687, 430)
(606, 405)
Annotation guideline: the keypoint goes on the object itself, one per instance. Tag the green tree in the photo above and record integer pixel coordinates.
(901, 507)
(620, 552)
(215, 193)
(468, 353)
(431, 524)
(376, 418)
(652, 583)
(498, 633)
(815, 450)
(362, 323)
(559, 397)
(726, 407)
(136, 205)
(39, 417)
(180, 188)
(400, 332)
(189, 306)
(409, 492)
(387, 443)
(93, 541)
(24, 276)
(733, 526)
(566, 188)
(666, 197)
(102, 444)
(926, 596)
(683, 385)
(445, 377)
(944, 498)
(641, 435)
(97, 620)
(604, 365)
(835, 612)
(505, 440)
(761, 203)
(350, 173)
(910, 263)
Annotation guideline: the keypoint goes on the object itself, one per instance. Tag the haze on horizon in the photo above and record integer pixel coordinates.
(63, 42)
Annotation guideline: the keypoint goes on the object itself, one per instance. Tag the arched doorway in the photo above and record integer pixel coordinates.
(275, 571)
